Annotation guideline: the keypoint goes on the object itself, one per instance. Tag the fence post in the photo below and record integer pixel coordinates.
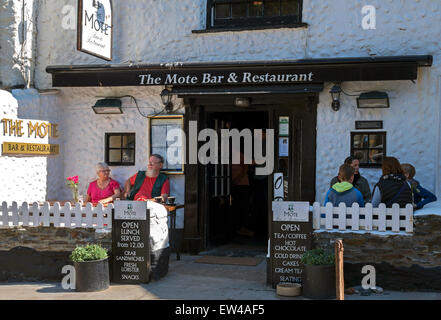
(14, 209)
(339, 278)
(25, 213)
(355, 216)
(409, 218)
(5, 214)
(342, 216)
(316, 215)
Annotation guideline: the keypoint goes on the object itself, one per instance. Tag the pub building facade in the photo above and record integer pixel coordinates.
(328, 80)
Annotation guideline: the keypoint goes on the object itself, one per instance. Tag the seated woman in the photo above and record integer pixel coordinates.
(104, 189)
(392, 186)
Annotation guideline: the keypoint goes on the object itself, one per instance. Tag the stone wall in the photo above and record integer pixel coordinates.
(39, 253)
(401, 261)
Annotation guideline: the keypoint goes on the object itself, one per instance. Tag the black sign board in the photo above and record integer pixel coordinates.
(130, 242)
(359, 125)
(291, 237)
(240, 73)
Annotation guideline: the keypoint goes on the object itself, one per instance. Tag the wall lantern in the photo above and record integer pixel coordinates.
(107, 106)
(373, 99)
(242, 102)
(335, 93)
(166, 97)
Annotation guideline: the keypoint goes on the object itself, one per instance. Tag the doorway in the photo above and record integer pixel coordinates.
(209, 216)
(237, 197)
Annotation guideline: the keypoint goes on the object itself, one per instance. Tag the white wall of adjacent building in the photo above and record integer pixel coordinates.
(161, 31)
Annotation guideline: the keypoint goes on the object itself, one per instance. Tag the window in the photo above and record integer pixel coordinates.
(167, 138)
(247, 13)
(369, 147)
(120, 149)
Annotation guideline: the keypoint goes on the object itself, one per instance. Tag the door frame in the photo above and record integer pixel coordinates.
(196, 179)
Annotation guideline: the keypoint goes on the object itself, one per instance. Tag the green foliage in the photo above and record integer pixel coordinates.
(318, 257)
(91, 252)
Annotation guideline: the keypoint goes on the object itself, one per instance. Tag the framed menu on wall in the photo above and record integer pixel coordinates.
(167, 139)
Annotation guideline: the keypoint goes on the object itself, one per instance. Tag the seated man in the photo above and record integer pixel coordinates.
(359, 182)
(344, 191)
(148, 184)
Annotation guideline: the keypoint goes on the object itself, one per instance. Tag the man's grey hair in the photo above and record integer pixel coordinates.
(159, 157)
(101, 166)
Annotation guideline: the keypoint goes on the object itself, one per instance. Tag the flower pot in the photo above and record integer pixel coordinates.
(92, 275)
(319, 282)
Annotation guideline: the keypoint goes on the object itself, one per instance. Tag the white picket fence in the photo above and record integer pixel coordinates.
(369, 219)
(340, 218)
(67, 216)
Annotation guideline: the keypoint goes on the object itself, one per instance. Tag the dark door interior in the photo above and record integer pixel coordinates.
(222, 208)
(209, 217)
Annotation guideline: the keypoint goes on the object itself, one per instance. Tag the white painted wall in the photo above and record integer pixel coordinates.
(155, 31)
(17, 29)
(30, 178)
(85, 134)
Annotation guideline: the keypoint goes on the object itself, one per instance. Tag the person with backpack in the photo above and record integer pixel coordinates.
(392, 186)
(149, 184)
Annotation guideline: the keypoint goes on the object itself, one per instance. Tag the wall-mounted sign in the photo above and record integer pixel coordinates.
(130, 242)
(283, 147)
(291, 237)
(13, 148)
(369, 124)
(283, 126)
(167, 139)
(21, 137)
(278, 187)
(95, 28)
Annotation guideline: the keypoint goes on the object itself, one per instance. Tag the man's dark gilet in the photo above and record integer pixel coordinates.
(157, 186)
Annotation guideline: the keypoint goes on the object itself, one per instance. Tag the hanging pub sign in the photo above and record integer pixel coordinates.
(291, 237)
(130, 242)
(95, 28)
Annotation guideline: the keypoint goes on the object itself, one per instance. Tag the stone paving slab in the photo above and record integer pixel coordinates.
(188, 281)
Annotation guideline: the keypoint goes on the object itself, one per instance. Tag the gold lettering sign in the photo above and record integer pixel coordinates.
(19, 148)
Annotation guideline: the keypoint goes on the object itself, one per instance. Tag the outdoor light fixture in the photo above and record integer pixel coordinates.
(242, 102)
(107, 106)
(335, 93)
(373, 99)
(166, 97)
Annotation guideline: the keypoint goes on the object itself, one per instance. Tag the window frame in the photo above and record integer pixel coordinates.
(384, 148)
(107, 149)
(250, 22)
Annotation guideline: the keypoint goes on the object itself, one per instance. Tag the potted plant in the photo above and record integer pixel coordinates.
(319, 274)
(91, 268)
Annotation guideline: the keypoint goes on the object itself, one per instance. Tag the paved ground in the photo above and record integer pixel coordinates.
(190, 281)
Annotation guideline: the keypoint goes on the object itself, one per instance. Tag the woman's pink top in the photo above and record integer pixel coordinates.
(96, 194)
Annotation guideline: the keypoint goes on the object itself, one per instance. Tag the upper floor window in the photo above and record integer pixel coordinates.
(252, 13)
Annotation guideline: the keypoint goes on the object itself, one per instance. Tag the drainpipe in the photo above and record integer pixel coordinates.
(438, 142)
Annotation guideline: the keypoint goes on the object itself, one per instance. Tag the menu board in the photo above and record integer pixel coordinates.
(167, 139)
(130, 242)
(291, 237)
